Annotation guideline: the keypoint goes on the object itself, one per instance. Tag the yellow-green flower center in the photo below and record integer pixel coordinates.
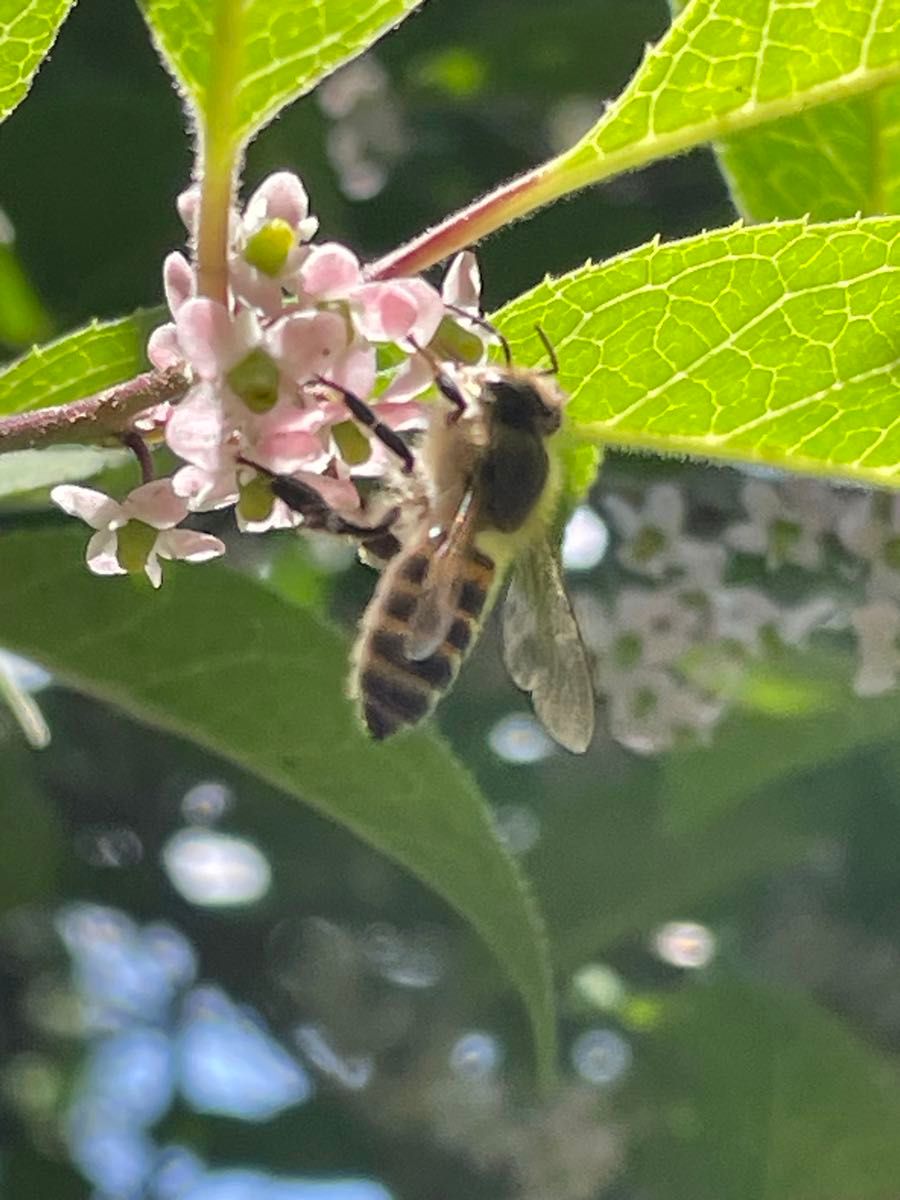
(134, 542)
(256, 500)
(352, 443)
(255, 381)
(268, 248)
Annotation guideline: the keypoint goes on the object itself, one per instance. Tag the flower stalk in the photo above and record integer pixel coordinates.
(106, 414)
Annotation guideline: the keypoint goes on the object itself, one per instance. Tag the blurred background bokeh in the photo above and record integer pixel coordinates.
(207, 992)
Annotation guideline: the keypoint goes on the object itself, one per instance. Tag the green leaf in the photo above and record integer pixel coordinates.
(776, 344)
(28, 29)
(764, 1095)
(218, 659)
(23, 319)
(28, 470)
(835, 161)
(32, 842)
(606, 873)
(732, 65)
(701, 784)
(79, 364)
(259, 55)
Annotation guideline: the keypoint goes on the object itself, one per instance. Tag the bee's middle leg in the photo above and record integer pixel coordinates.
(317, 513)
(366, 416)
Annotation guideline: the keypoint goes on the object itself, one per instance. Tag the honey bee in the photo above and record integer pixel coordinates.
(491, 491)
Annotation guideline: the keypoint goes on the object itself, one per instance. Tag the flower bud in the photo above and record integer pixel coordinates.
(255, 381)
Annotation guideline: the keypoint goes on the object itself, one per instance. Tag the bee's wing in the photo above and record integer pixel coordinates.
(436, 606)
(543, 649)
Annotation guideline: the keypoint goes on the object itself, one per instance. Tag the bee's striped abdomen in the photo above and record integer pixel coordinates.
(392, 690)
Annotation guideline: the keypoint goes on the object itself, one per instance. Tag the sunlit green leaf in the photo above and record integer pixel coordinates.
(732, 65)
(79, 364)
(218, 659)
(776, 344)
(28, 29)
(263, 53)
(838, 160)
(834, 161)
(765, 1094)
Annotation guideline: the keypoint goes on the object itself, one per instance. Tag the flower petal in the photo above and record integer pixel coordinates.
(462, 283)
(329, 272)
(95, 508)
(153, 568)
(188, 545)
(398, 309)
(197, 429)
(163, 347)
(206, 490)
(306, 343)
(188, 205)
(156, 504)
(211, 339)
(282, 196)
(411, 380)
(178, 281)
(355, 369)
(101, 555)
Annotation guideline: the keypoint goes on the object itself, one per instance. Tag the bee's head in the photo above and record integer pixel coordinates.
(526, 400)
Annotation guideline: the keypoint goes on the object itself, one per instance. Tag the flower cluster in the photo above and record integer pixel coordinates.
(672, 658)
(270, 371)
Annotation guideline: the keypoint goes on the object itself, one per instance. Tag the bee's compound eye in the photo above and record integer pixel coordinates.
(550, 419)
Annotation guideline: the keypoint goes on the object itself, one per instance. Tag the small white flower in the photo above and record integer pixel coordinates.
(652, 628)
(650, 533)
(877, 627)
(870, 528)
(636, 649)
(787, 522)
(752, 619)
(651, 710)
(702, 565)
(133, 535)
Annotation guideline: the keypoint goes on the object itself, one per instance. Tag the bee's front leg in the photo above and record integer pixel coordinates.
(450, 390)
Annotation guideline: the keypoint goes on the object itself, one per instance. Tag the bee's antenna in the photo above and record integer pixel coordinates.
(553, 369)
(476, 319)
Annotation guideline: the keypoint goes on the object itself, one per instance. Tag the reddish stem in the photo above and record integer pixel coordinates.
(514, 199)
(107, 413)
(139, 448)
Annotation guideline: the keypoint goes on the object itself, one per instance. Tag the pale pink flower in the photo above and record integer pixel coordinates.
(461, 289)
(135, 534)
(269, 242)
(394, 311)
(213, 427)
